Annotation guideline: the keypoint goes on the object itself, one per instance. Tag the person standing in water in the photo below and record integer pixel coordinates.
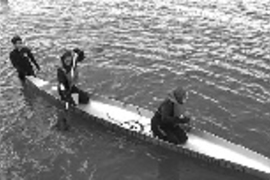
(167, 120)
(21, 58)
(67, 76)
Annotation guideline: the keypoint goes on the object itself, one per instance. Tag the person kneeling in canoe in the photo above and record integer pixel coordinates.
(67, 76)
(166, 122)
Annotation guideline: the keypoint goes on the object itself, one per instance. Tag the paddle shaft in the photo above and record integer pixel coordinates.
(72, 74)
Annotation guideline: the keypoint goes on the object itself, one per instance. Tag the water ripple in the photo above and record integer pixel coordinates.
(137, 51)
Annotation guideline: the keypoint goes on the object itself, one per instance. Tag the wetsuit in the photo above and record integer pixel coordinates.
(64, 80)
(21, 60)
(66, 88)
(65, 94)
(165, 126)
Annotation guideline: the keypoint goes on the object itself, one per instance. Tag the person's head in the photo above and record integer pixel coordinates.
(180, 95)
(66, 59)
(17, 42)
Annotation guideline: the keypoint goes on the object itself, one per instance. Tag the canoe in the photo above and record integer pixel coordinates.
(135, 121)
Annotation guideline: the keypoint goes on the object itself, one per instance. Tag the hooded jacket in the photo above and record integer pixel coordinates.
(170, 111)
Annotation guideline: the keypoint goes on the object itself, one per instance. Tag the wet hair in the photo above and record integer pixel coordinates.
(15, 39)
(63, 57)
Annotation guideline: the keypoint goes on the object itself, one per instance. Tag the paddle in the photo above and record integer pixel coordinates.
(72, 74)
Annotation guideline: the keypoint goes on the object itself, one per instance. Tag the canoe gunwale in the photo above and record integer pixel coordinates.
(150, 139)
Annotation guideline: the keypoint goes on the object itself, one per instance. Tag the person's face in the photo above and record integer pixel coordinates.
(18, 44)
(68, 60)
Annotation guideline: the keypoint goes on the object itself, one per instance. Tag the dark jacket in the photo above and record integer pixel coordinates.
(164, 116)
(21, 60)
(64, 72)
(62, 78)
(66, 94)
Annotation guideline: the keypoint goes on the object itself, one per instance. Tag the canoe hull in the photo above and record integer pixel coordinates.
(44, 89)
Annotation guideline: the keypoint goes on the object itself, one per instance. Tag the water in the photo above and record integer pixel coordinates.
(136, 52)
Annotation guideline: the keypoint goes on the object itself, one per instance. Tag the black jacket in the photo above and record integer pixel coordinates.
(21, 60)
(165, 115)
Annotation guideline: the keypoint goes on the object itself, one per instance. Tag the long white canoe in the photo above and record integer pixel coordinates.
(135, 121)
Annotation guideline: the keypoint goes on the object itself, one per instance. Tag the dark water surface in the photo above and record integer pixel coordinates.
(137, 51)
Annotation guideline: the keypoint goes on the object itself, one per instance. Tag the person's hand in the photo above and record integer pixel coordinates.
(186, 127)
(182, 120)
(187, 114)
(178, 120)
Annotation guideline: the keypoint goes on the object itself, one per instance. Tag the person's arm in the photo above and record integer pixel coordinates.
(167, 116)
(183, 119)
(31, 56)
(80, 54)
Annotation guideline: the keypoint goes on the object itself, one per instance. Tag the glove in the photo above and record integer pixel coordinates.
(182, 120)
(186, 119)
(186, 127)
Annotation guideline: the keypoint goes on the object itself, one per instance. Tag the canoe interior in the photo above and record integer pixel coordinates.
(137, 119)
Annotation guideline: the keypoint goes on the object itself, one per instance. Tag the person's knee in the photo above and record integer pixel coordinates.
(157, 133)
(173, 139)
(83, 98)
(178, 136)
(62, 95)
(182, 138)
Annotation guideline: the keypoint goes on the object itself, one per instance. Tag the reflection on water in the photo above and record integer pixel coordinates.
(168, 168)
(136, 52)
(172, 166)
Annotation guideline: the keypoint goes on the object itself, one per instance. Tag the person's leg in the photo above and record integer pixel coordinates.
(171, 137)
(61, 122)
(65, 97)
(175, 134)
(156, 129)
(180, 134)
(21, 76)
(83, 96)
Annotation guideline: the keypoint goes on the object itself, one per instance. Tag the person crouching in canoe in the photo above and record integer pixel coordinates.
(166, 122)
(67, 76)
